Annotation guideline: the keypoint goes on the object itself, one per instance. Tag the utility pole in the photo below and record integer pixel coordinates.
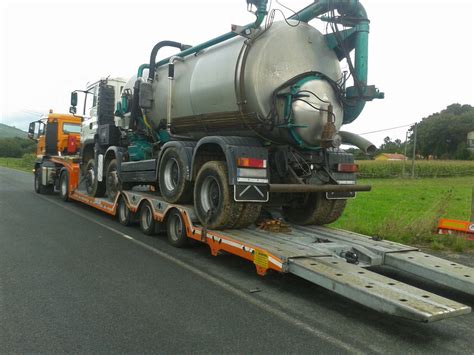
(405, 154)
(414, 153)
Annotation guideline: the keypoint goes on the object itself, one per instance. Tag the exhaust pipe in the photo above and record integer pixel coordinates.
(358, 141)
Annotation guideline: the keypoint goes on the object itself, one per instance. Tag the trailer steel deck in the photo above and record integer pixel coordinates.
(335, 259)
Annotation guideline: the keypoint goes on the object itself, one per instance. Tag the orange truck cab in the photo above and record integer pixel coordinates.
(57, 134)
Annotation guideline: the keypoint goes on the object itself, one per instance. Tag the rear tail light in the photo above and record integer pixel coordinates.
(347, 168)
(252, 163)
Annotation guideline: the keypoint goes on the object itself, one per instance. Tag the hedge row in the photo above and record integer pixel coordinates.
(423, 168)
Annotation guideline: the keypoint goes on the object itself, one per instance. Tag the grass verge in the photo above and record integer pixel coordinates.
(26, 163)
(408, 210)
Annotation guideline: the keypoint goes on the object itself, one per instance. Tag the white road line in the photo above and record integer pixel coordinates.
(260, 304)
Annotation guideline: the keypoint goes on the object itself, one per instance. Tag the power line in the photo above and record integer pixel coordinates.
(386, 129)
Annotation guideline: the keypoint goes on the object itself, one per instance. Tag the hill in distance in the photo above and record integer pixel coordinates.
(11, 132)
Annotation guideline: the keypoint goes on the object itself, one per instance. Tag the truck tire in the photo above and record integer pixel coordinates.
(40, 188)
(147, 220)
(248, 216)
(105, 104)
(93, 186)
(124, 214)
(112, 183)
(64, 186)
(316, 210)
(213, 200)
(172, 181)
(176, 229)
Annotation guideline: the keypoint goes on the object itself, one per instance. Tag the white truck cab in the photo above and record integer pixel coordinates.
(89, 122)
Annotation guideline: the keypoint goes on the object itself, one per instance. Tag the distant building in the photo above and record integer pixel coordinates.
(470, 141)
(389, 156)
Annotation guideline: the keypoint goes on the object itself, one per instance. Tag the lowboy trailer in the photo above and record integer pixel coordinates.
(335, 259)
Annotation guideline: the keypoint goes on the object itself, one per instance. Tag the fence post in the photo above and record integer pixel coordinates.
(472, 205)
(414, 154)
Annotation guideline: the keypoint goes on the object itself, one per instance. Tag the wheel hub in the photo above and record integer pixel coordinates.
(171, 174)
(210, 194)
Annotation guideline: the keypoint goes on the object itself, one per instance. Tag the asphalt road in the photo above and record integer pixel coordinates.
(72, 279)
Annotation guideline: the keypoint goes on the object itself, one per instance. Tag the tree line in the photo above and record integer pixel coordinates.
(16, 147)
(442, 135)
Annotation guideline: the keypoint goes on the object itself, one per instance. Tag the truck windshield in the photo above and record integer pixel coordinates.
(71, 128)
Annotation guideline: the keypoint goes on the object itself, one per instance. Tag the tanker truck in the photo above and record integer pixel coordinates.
(248, 120)
(247, 126)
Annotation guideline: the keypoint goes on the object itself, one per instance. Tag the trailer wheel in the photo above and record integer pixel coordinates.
(39, 187)
(147, 220)
(64, 186)
(112, 183)
(94, 187)
(124, 214)
(213, 200)
(316, 209)
(176, 229)
(248, 216)
(172, 181)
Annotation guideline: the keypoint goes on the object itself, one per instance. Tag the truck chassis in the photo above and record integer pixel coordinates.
(335, 259)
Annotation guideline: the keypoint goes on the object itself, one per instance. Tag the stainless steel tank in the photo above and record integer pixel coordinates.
(227, 89)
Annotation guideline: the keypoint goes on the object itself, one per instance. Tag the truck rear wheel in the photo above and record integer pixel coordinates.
(94, 187)
(213, 200)
(316, 210)
(39, 187)
(172, 181)
(248, 216)
(64, 186)
(176, 229)
(112, 183)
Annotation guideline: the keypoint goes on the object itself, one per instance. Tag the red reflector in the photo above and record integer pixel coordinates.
(71, 144)
(252, 163)
(347, 168)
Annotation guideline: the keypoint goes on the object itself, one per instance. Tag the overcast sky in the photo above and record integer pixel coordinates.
(421, 52)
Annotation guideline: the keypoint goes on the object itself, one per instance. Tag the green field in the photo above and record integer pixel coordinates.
(407, 210)
(25, 164)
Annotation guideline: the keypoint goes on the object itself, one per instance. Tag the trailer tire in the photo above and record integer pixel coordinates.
(176, 229)
(147, 220)
(172, 180)
(64, 186)
(124, 215)
(40, 188)
(94, 187)
(112, 182)
(316, 210)
(213, 199)
(105, 104)
(248, 216)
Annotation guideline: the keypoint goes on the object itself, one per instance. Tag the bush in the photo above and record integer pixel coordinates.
(423, 168)
(16, 147)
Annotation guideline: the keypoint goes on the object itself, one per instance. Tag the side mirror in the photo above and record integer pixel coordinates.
(31, 130)
(72, 110)
(73, 99)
